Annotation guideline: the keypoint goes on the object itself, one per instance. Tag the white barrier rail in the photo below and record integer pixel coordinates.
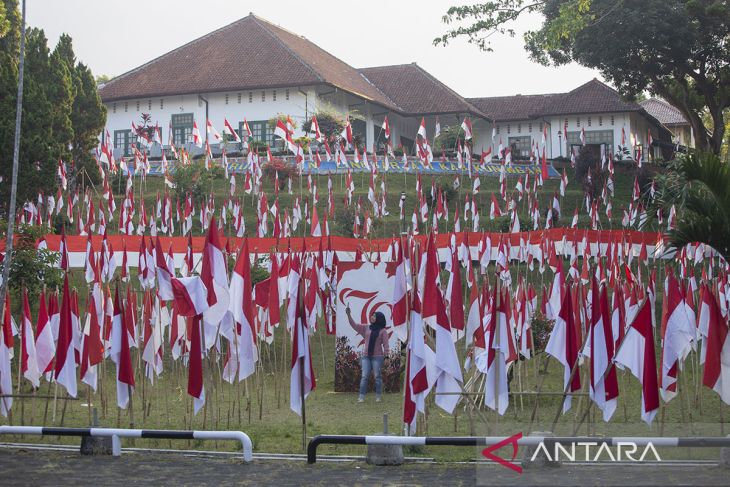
(116, 433)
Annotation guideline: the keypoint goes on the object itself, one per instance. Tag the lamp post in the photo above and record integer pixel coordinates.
(560, 141)
(403, 206)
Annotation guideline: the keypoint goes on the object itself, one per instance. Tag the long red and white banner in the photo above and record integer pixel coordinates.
(565, 241)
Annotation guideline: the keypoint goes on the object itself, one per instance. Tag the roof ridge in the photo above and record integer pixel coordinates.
(263, 23)
(197, 39)
(437, 82)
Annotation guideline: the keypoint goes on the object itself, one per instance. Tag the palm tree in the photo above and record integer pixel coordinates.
(698, 186)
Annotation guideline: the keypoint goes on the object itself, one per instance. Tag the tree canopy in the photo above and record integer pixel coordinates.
(676, 49)
(62, 112)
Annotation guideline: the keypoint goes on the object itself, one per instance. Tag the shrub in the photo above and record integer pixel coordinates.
(30, 267)
(270, 169)
(348, 370)
(196, 180)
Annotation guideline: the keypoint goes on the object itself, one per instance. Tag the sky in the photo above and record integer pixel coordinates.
(113, 37)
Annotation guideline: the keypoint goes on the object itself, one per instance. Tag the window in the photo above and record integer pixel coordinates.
(508, 128)
(592, 137)
(497, 129)
(519, 128)
(149, 104)
(137, 105)
(239, 98)
(577, 122)
(600, 121)
(259, 131)
(520, 147)
(263, 95)
(162, 103)
(611, 119)
(226, 99)
(529, 127)
(126, 105)
(286, 93)
(250, 96)
(182, 127)
(565, 126)
(123, 139)
(273, 95)
(589, 121)
(114, 108)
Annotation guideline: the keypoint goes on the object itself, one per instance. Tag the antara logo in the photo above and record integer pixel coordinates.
(592, 451)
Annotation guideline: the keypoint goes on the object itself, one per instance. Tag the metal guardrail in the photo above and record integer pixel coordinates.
(116, 433)
(694, 441)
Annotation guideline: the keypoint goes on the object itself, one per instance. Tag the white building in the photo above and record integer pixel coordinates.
(594, 108)
(254, 70)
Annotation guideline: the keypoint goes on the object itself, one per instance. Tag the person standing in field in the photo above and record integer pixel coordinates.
(375, 348)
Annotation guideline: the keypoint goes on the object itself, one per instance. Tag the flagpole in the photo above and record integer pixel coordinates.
(497, 327)
(300, 305)
(16, 157)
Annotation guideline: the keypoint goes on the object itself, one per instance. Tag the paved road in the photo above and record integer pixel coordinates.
(64, 468)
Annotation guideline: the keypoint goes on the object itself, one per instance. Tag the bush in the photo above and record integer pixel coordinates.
(348, 369)
(285, 171)
(589, 159)
(32, 268)
(541, 328)
(447, 140)
(195, 180)
(330, 124)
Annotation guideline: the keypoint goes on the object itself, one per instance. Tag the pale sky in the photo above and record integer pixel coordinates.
(113, 37)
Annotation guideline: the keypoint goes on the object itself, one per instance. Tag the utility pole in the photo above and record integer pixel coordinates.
(16, 156)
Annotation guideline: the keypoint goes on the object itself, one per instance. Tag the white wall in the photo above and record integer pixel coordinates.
(631, 122)
(119, 118)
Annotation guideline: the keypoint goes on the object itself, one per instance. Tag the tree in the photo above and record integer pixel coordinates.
(4, 22)
(88, 113)
(62, 112)
(676, 49)
(697, 185)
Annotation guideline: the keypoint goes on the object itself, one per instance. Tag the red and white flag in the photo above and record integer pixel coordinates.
(45, 345)
(420, 369)
(120, 353)
(228, 129)
(400, 298)
(29, 359)
(191, 296)
(717, 356)
(302, 372)
(212, 131)
(434, 314)
(242, 309)
(214, 275)
(65, 368)
(6, 356)
(564, 346)
(636, 353)
(197, 139)
(195, 366)
(603, 383)
(678, 334)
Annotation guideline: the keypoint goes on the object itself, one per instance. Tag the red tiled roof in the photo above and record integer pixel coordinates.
(417, 92)
(246, 54)
(664, 112)
(507, 108)
(591, 97)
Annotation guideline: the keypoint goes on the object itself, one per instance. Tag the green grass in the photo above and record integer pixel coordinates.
(395, 185)
(273, 427)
